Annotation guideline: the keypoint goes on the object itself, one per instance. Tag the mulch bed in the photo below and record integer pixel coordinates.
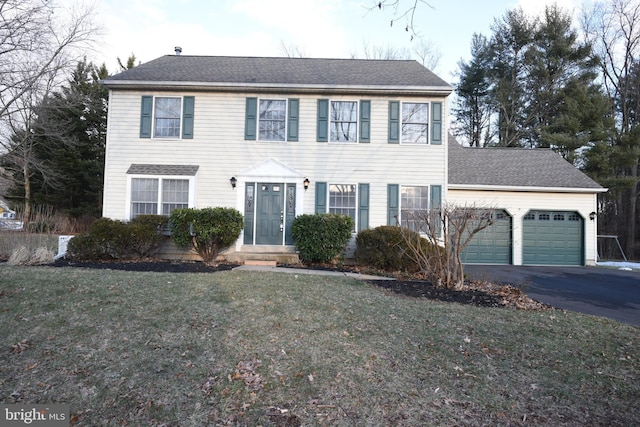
(480, 294)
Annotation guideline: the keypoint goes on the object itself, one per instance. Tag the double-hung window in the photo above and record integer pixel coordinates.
(158, 196)
(168, 117)
(342, 199)
(344, 121)
(414, 204)
(415, 123)
(272, 120)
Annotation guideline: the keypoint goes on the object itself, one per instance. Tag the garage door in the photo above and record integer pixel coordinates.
(552, 238)
(491, 245)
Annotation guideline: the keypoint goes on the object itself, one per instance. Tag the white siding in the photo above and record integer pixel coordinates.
(221, 152)
(517, 204)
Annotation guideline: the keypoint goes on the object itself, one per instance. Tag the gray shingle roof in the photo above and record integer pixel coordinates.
(280, 71)
(185, 170)
(514, 167)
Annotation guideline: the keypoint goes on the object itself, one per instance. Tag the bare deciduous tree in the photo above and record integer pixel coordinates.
(449, 230)
(613, 28)
(425, 53)
(39, 44)
(402, 11)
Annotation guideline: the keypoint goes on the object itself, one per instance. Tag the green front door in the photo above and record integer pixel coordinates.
(270, 214)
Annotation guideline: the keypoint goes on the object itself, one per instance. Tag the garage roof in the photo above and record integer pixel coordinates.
(514, 167)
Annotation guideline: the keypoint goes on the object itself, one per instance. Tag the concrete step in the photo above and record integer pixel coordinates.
(263, 258)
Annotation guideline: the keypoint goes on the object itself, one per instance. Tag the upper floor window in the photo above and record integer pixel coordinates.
(167, 117)
(272, 119)
(344, 121)
(415, 123)
(167, 113)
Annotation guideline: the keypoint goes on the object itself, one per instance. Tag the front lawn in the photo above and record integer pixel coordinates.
(256, 348)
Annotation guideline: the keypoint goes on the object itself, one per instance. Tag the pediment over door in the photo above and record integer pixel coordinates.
(271, 168)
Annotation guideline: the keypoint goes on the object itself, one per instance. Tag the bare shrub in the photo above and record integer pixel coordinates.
(41, 256)
(19, 256)
(23, 256)
(451, 228)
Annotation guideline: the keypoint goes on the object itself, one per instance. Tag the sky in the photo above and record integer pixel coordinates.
(316, 28)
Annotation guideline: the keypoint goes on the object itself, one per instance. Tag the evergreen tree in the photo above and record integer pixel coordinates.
(473, 111)
(73, 123)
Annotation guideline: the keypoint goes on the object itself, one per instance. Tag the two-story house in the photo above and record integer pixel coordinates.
(279, 137)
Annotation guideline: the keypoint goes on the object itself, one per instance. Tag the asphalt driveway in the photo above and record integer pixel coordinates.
(592, 290)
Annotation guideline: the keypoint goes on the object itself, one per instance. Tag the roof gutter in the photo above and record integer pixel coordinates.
(526, 189)
(273, 87)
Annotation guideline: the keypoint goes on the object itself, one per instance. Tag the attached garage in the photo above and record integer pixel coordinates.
(493, 245)
(552, 238)
(550, 203)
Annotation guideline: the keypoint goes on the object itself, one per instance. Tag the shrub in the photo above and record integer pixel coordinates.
(321, 237)
(143, 234)
(385, 248)
(209, 231)
(105, 239)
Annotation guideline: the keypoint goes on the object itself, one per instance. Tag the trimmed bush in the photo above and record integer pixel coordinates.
(385, 247)
(112, 239)
(321, 237)
(209, 231)
(105, 239)
(143, 235)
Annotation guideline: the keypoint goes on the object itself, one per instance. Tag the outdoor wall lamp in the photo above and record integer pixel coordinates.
(306, 184)
(592, 216)
(233, 181)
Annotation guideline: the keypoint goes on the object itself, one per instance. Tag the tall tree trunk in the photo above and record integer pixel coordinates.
(27, 194)
(631, 214)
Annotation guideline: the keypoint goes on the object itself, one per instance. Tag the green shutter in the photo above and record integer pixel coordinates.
(393, 198)
(436, 204)
(188, 105)
(146, 116)
(363, 207)
(293, 119)
(251, 119)
(436, 123)
(321, 197)
(365, 121)
(323, 120)
(394, 122)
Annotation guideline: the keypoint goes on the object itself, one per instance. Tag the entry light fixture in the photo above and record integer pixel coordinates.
(592, 216)
(306, 183)
(233, 181)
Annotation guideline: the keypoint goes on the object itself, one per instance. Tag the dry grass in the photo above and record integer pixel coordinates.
(11, 241)
(248, 348)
